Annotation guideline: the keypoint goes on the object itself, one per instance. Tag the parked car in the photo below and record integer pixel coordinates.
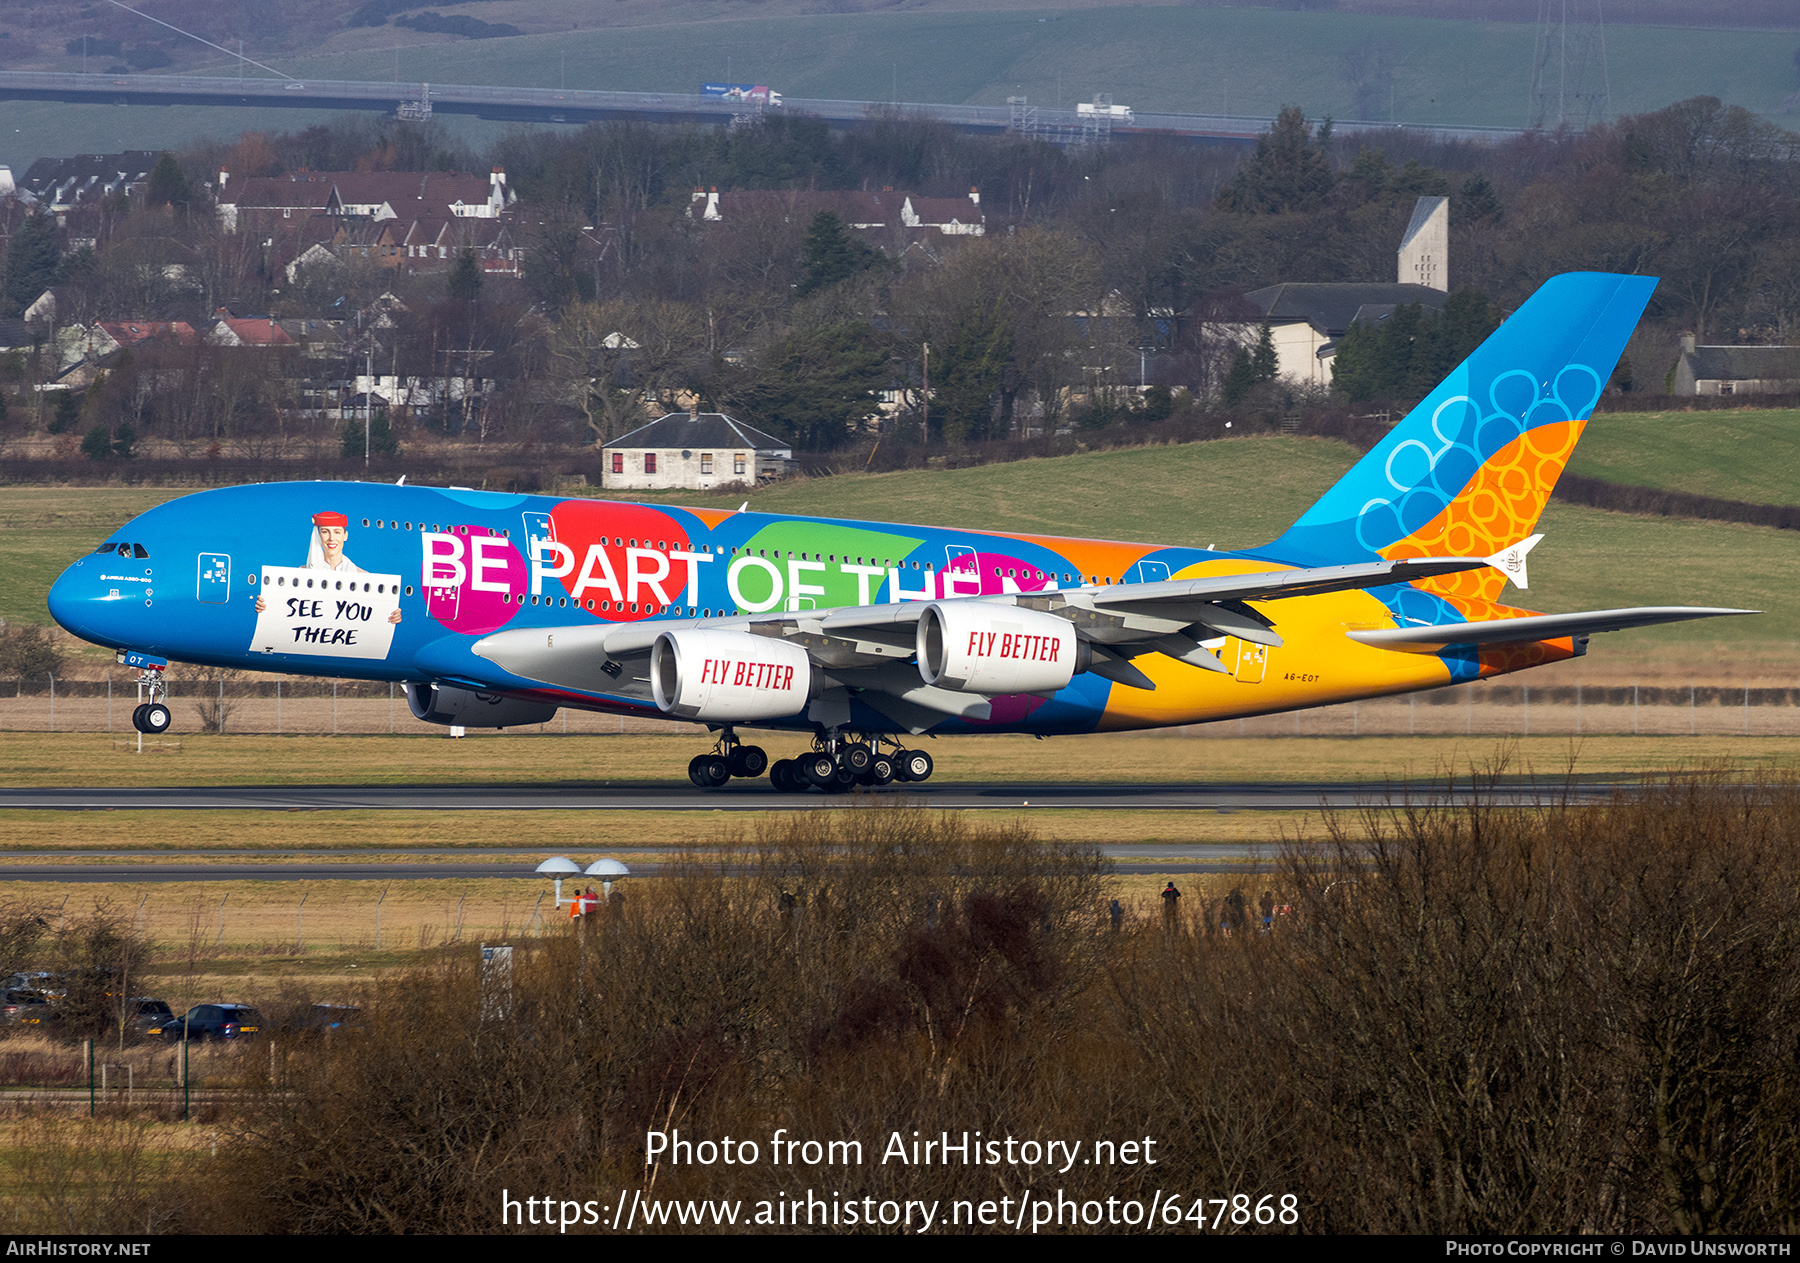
(25, 1008)
(215, 1021)
(145, 1018)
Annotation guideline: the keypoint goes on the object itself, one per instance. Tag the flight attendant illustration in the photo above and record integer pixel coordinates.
(325, 550)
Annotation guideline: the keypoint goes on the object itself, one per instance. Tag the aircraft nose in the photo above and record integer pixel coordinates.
(85, 604)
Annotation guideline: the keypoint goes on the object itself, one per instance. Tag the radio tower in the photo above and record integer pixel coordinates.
(1568, 68)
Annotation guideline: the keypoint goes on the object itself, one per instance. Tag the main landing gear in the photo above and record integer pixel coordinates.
(729, 758)
(839, 763)
(153, 718)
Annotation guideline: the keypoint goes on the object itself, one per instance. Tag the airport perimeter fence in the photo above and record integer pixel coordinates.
(352, 707)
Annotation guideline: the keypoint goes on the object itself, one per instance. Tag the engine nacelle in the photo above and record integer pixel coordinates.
(981, 647)
(439, 704)
(728, 676)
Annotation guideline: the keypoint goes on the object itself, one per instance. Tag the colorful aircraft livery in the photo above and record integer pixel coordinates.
(498, 609)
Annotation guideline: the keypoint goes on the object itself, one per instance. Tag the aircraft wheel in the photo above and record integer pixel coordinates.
(714, 771)
(881, 770)
(695, 772)
(157, 719)
(137, 716)
(855, 759)
(914, 765)
(818, 769)
(843, 780)
(749, 761)
(781, 776)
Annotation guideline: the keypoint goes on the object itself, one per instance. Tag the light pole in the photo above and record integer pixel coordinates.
(925, 435)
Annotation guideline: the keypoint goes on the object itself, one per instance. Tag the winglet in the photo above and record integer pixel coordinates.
(1511, 561)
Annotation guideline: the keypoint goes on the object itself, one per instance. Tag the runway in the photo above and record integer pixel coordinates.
(760, 796)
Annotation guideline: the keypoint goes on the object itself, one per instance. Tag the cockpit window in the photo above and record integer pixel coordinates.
(138, 550)
(124, 550)
(107, 547)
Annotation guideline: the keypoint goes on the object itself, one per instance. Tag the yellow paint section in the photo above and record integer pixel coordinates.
(1499, 507)
(1316, 665)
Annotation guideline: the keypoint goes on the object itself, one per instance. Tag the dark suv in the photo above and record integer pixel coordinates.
(215, 1021)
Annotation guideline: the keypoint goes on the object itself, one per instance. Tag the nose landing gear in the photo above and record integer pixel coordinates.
(152, 718)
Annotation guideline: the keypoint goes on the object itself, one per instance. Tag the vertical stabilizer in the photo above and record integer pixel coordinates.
(1468, 471)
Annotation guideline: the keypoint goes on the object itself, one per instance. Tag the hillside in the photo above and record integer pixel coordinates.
(1187, 59)
(1741, 454)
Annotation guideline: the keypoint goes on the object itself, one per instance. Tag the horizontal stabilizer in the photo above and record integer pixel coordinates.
(1536, 627)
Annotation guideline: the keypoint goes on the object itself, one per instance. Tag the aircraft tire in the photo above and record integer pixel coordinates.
(855, 759)
(881, 770)
(843, 780)
(915, 765)
(818, 769)
(749, 761)
(714, 771)
(137, 716)
(694, 772)
(781, 776)
(157, 719)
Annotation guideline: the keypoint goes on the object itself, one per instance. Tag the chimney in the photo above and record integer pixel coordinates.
(224, 179)
(694, 409)
(975, 195)
(712, 204)
(1687, 344)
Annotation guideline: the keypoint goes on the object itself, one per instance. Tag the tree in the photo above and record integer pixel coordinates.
(1406, 355)
(25, 651)
(124, 444)
(1252, 366)
(830, 254)
(31, 263)
(381, 437)
(68, 411)
(166, 185)
(815, 385)
(98, 445)
(1263, 360)
(465, 277)
(1289, 171)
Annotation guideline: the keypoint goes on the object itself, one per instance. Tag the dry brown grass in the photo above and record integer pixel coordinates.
(1216, 754)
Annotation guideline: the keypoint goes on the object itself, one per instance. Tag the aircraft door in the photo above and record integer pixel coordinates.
(214, 583)
(1152, 572)
(1252, 662)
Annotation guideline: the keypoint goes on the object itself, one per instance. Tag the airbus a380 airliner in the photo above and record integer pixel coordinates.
(495, 610)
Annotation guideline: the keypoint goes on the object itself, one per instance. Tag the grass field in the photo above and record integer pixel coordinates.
(1246, 62)
(49, 759)
(1233, 493)
(1747, 454)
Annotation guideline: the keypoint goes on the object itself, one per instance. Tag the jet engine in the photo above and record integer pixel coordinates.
(982, 647)
(728, 676)
(438, 704)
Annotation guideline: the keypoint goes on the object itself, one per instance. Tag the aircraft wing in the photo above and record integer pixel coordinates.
(1537, 627)
(871, 650)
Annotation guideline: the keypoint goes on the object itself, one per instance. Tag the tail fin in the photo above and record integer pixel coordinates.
(1468, 471)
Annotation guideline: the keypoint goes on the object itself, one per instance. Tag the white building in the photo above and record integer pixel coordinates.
(694, 451)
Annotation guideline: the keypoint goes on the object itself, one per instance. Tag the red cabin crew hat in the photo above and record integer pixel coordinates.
(330, 519)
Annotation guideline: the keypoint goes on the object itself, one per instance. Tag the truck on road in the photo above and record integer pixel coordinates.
(748, 93)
